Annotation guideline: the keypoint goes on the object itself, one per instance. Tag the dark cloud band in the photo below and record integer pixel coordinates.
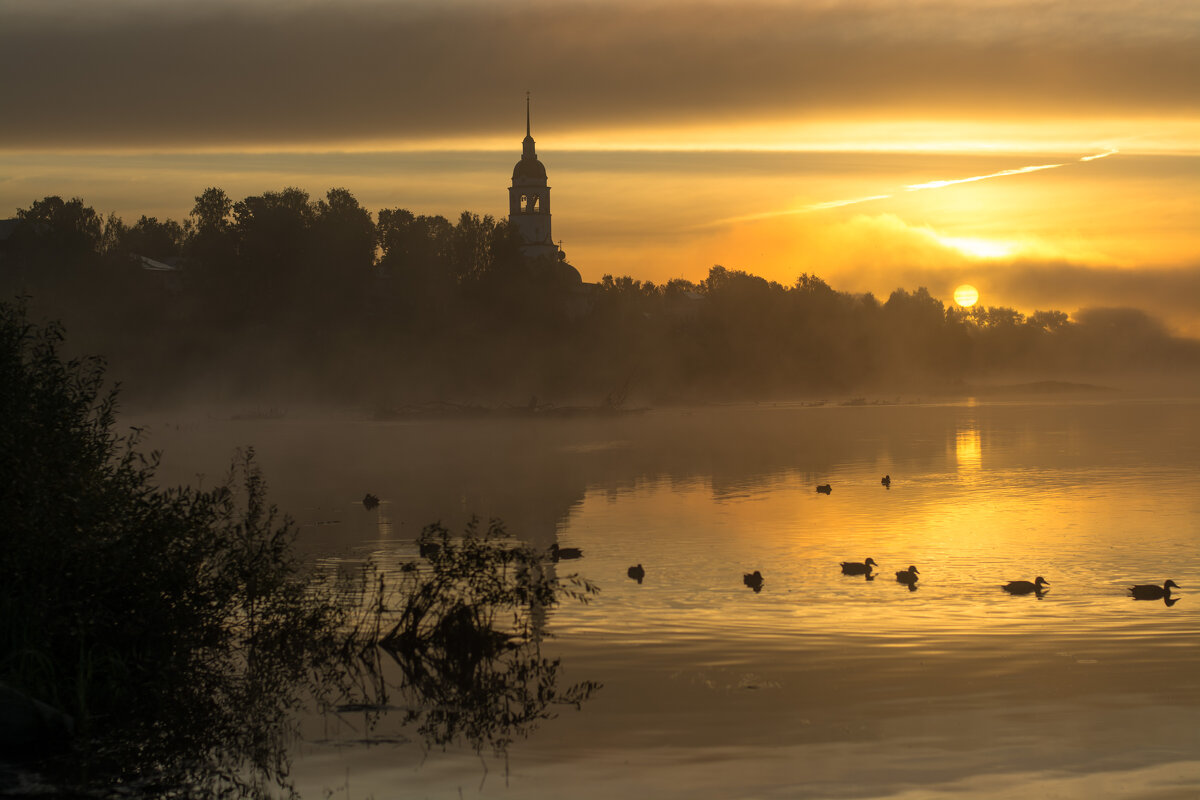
(168, 74)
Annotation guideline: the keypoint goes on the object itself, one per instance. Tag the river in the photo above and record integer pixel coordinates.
(821, 685)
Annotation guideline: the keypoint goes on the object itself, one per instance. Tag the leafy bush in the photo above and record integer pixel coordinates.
(463, 629)
(179, 629)
(161, 620)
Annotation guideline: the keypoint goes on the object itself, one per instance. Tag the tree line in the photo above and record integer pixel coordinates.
(281, 295)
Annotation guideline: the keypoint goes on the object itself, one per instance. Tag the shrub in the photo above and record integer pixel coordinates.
(163, 621)
(179, 629)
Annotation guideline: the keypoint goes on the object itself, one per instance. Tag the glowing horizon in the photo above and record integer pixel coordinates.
(1049, 150)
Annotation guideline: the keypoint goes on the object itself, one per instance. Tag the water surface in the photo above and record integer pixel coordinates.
(820, 685)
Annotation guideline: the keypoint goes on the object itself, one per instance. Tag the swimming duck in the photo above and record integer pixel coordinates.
(754, 580)
(558, 553)
(369, 501)
(908, 576)
(1148, 591)
(1025, 587)
(825, 488)
(855, 568)
(637, 573)
(886, 480)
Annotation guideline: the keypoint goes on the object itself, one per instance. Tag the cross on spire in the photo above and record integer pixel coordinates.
(527, 114)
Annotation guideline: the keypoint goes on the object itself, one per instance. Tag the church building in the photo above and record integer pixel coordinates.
(529, 201)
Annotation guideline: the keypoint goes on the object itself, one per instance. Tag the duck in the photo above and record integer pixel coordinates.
(370, 501)
(886, 480)
(1025, 587)
(856, 568)
(908, 576)
(824, 488)
(1148, 591)
(637, 573)
(558, 553)
(754, 580)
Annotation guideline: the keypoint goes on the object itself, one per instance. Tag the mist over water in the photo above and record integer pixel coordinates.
(820, 685)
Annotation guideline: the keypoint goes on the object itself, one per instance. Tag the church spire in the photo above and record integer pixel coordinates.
(527, 149)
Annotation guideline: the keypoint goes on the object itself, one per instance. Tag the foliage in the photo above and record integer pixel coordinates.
(173, 625)
(464, 630)
(181, 632)
(283, 293)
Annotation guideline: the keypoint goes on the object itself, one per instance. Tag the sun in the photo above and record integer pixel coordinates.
(966, 295)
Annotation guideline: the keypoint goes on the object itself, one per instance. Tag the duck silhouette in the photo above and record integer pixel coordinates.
(824, 488)
(886, 480)
(637, 573)
(754, 580)
(1026, 587)
(1148, 591)
(908, 576)
(370, 501)
(857, 568)
(558, 553)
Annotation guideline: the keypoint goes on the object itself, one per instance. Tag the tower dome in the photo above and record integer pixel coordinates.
(529, 170)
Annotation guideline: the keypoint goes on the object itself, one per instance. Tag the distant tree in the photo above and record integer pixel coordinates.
(70, 227)
(338, 268)
(151, 238)
(812, 285)
(995, 316)
(1124, 322)
(415, 255)
(472, 247)
(677, 287)
(1048, 320)
(211, 251)
(915, 324)
(272, 235)
(212, 211)
(114, 230)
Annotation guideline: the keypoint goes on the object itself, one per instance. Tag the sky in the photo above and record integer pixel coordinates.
(1046, 152)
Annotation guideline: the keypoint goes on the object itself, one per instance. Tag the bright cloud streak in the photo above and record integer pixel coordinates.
(802, 210)
(916, 187)
(839, 203)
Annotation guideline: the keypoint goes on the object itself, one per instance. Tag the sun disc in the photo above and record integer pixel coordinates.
(966, 295)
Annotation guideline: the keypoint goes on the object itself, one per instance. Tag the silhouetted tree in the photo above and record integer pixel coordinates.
(211, 252)
(67, 229)
(338, 268)
(154, 239)
(280, 285)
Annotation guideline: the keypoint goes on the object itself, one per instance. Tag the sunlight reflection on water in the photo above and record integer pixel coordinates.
(957, 686)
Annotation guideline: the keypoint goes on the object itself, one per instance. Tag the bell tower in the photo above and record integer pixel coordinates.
(529, 200)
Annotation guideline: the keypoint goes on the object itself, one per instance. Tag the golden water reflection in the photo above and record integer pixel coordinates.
(968, 452)
(718, 691)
